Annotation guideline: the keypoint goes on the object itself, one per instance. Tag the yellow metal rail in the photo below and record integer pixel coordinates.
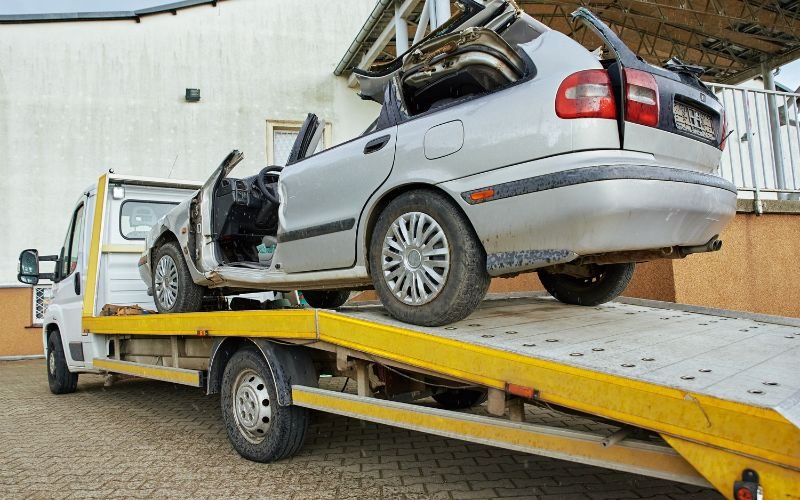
(583, 447)
(297, 324)
(165, 373)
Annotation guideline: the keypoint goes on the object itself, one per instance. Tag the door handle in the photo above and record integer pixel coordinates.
(77, 283)
(376, 144)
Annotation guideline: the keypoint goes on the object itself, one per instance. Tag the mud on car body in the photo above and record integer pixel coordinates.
(501, 147)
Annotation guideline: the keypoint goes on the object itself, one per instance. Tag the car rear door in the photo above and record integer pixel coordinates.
(670, 114)
(322, 197)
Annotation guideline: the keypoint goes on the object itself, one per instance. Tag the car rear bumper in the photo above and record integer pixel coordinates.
(535, 221)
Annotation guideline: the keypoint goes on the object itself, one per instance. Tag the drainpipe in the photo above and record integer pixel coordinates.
(400, 31)
(775, 130)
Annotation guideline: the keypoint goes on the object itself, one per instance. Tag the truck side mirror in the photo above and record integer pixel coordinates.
(28, 271)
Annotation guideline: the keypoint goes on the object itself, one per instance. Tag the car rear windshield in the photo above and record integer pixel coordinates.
(136, 217)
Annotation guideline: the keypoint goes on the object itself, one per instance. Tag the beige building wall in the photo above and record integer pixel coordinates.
(757, 270)
(17, 336)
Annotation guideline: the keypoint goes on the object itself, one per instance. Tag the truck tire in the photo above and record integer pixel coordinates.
(427, 264)
(605, 285)
(258, 427)
(326, 299)
(174, 291)
(59, 378)
(460, 399)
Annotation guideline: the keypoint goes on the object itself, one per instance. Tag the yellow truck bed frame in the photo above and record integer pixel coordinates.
(721, 389)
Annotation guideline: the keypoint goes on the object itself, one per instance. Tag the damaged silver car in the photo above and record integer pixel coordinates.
(501, 147)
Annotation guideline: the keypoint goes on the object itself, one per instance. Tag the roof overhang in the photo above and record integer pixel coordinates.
(732, 39)
(134, 15)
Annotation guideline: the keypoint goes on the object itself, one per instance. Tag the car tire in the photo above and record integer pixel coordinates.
(605, 285)
(59, 378)
(174, 291)
(449, 249)
(258, 427)
(326, 299)
(460, 399)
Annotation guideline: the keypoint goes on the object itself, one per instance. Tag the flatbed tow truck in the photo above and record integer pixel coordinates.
(700, 396)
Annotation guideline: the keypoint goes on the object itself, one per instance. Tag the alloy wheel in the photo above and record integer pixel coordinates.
(416, 258)
(166, 282)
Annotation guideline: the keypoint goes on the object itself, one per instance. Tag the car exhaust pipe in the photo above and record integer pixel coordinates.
(713, 245)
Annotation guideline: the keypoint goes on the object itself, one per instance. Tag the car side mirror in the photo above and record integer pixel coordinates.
(28, 270)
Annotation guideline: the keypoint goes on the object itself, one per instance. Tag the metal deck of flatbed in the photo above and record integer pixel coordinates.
(724, 392)
(734, 359)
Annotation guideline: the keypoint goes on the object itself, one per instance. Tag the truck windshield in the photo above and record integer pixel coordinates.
(136, 217)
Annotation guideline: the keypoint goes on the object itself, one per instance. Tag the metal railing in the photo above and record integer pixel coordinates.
(763, 150)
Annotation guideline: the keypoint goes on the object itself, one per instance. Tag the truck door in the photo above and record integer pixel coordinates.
(68, 286)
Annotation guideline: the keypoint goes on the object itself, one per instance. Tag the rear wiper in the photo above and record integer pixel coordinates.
(675, 64)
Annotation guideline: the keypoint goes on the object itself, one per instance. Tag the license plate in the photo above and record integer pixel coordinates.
(691, 120)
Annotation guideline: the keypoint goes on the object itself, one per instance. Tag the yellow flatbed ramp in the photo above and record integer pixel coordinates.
(722, 391)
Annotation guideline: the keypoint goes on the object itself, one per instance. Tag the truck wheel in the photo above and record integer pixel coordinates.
(459, 399)
(59, 378)
(326, 299)
(606, 284)
(173, 288)
(426, 262)
(259, 428)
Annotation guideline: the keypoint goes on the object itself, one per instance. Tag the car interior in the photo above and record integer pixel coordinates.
(245, 211)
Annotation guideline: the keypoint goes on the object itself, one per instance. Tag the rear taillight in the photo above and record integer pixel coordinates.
(586, 94)
(724, 138)
(641, 98)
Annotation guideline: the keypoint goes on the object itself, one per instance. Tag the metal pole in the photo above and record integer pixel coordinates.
(400, 31)
(775, 130)
(422, 26)
(749, 130)
(442, 12)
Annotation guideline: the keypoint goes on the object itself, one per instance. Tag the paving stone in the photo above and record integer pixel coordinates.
(488, 493)
(145, 439)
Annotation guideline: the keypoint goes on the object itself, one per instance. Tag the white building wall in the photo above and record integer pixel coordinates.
(78, 98)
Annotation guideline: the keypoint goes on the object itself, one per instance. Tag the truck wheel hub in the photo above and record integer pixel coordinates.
(251, 406)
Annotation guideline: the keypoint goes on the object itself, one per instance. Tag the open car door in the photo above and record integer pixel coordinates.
(307, 139)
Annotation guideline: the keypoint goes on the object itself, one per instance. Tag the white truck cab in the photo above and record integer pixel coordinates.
(130, 208)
